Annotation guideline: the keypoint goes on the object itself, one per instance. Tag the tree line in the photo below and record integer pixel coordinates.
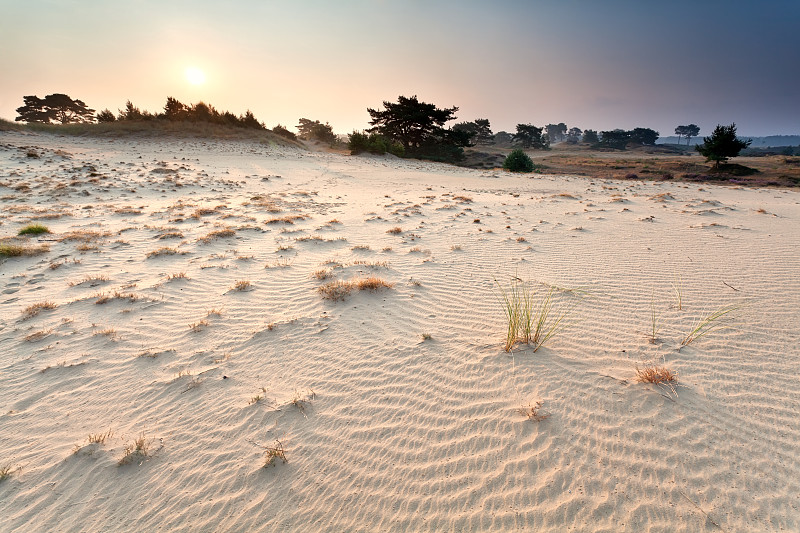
(407, 127)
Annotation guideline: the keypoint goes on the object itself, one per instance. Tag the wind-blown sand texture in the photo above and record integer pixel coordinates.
(184, 276)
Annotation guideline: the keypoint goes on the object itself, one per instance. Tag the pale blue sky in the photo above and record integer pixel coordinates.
(591, 64)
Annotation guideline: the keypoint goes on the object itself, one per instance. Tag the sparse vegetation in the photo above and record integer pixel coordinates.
(533, 411)
(136, 451)
(5, 473)
(275, 453)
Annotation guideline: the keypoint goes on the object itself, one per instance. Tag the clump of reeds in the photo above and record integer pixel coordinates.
(657, 374)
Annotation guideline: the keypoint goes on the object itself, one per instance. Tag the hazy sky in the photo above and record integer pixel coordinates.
(599, 64)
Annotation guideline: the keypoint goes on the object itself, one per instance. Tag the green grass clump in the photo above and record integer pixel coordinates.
(16, 250)
(34, 229)
(715, 321)
(530, 316)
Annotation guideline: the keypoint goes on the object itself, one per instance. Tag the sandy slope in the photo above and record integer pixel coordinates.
(384, 429)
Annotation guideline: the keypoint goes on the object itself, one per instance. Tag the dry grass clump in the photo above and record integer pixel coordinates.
(204, 211)
(656, 374)
(5, 472)
(360, 247)
(198, 326)
(111, 333)
(371, 283)
(395, 231)
(164, 250)
(322, 274)
(288, 219)
(38, 335)
(242, 285)
(99, 438)
(338, 290)
(92, 281)
(335, 290)
(176, 275)
(218, 234)
(170, 235)
(533, 411)
(103, 298)
(83, 236)
(275, 453)
(33, 229)
(138, 450)
(16, 250)
(34, 309)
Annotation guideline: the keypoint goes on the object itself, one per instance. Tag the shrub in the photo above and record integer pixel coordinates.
(283, 132)
(518, 161)
(374, 144)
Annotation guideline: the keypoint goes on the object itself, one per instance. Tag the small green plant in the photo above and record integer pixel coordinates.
(715, 321)
(33, 229)
(518, 161)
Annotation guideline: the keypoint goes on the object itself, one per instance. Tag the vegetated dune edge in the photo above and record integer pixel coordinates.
(167, 345)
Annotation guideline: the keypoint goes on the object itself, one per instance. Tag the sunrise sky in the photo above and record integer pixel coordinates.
(592, 64)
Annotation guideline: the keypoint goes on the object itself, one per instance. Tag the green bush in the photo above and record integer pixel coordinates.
(374, 144)
(518, 161)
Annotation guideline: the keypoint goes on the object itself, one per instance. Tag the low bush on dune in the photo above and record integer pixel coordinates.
(33, 229)
(374, 144)
(518, 161)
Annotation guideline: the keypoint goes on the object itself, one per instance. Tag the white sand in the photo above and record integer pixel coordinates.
(390, 431)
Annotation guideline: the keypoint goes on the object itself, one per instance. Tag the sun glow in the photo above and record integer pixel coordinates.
(195, 76)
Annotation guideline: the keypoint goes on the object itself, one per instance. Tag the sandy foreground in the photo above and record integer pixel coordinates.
(397, 409)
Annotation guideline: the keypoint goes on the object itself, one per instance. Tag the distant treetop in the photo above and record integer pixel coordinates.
(54, 109)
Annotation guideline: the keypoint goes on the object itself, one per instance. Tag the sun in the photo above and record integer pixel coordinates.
(195, 76)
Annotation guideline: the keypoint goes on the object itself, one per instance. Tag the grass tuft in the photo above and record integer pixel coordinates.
(138, 450)
(530, 317)
(34, 229)
(715, 321)
(34, 309)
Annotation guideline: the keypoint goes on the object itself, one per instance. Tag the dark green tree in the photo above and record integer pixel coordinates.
(503, 138)
(692, 130)
(617, 139)
(590, 137)
(556, 132)
(722, 145)
(284, 132)
(315, 130)
(644, 136)
(106, 115)
(54, 108)
(479, 129)
(174, 110)
(574, 135)
(410, 122)
(518, 161)
(529, 136)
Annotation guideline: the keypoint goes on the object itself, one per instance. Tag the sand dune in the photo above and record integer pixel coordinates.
(183, 310)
